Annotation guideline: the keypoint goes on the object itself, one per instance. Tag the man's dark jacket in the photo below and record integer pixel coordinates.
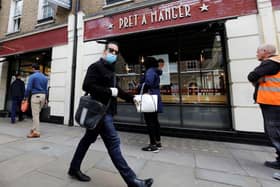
(267, 67)
(17, 88)
(98, 81)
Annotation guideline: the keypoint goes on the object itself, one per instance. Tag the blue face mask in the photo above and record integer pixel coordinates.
(111, 58)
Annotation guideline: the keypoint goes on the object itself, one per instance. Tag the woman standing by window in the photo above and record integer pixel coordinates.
(151, 81)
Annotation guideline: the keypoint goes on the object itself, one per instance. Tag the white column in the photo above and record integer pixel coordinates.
(3, 83)
(268, 22)
(277, 22)
(60, 77)
(243, 38)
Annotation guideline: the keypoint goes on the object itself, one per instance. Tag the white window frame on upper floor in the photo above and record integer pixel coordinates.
(42, 6)
(15, 16)
(119, 2)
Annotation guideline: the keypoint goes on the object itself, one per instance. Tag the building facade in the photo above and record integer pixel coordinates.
(208, 47)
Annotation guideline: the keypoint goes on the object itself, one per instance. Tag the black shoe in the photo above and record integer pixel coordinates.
(272, 164)
(141, 183)
(159, 146)
(77, 174)
(152, 148)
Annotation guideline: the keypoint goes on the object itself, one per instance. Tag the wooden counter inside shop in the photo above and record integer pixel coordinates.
(218, 99)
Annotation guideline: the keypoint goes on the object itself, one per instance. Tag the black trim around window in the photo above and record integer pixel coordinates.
(108, 2)
(45, 20)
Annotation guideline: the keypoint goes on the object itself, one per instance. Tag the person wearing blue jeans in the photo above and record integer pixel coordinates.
(112, 142)
(100, 83)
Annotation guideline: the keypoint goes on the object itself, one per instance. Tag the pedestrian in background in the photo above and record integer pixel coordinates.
(37, 87)
(151, 82)
(266, 79)
(17, 90)
(100, 84)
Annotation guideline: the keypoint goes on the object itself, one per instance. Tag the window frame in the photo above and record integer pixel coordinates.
(42, 5)
(15, 16)
(120, 2)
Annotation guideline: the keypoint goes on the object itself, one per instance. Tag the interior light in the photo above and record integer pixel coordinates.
(2, 59)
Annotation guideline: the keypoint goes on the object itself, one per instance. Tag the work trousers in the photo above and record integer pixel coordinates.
(271, 116)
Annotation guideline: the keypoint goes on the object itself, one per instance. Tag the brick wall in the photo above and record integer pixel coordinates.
(29, 18)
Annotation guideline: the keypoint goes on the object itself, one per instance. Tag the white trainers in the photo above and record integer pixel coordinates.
(276, 176)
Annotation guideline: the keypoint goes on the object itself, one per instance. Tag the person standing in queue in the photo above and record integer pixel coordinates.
(99, 82)
(17, 90)
(266, 79)
(37, 86)
(151, 82)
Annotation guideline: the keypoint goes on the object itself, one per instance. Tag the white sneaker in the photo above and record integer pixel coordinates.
(276, 176)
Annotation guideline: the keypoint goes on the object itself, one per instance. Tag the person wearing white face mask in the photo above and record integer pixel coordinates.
(100, 83)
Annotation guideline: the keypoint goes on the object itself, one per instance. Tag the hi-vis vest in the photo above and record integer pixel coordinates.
(269, 90)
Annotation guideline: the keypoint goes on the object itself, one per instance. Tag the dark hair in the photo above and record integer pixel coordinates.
(17, 74)
(160, 60)
(36, 66)
(111, 42)
(150, 62)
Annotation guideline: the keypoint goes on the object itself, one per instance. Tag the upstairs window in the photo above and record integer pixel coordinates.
(45, 11)
(108, 2)
(15, 16)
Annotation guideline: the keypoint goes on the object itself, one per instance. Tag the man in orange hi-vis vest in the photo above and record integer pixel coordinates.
(266, 79)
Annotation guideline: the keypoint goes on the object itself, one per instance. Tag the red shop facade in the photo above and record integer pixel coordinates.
(191, 38)
(19, 53)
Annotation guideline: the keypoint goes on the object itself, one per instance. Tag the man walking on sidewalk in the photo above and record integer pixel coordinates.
(266, 79)
(100, 84)
(38, 87)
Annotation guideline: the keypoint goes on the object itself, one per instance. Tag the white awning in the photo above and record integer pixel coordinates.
(62, 3)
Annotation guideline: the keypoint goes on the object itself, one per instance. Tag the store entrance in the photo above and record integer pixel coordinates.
(22, 64)
(194, 86)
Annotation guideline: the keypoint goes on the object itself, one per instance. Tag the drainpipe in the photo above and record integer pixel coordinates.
(74, 62)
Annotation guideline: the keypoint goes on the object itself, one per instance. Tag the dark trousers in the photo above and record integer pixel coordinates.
(16, 103)
(153, 127)
(112, 143)
(271, 116)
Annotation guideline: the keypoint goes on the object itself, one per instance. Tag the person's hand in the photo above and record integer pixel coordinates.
(136, 101)
(114, 92)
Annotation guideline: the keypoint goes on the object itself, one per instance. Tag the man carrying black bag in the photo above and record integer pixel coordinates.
(99, 83)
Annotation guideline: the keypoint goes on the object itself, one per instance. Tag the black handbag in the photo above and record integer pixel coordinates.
(90, 112)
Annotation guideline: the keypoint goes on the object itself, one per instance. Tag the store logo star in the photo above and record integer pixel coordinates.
(204, 7)
(110, 26)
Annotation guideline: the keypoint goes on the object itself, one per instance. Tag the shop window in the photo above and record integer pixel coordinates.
(15, 16)
(45, 11)
(202, 72)
(193, 85)
(194, 67)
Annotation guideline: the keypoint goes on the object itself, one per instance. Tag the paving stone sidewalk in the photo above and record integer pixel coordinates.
(183, 162)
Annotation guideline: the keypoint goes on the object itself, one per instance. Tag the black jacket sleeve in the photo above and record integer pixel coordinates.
(92, 84)
(267, 67)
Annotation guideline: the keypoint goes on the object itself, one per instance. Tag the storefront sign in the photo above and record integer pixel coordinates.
(276, 4)
(62, 3)
(37, 41)
(167, 15)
